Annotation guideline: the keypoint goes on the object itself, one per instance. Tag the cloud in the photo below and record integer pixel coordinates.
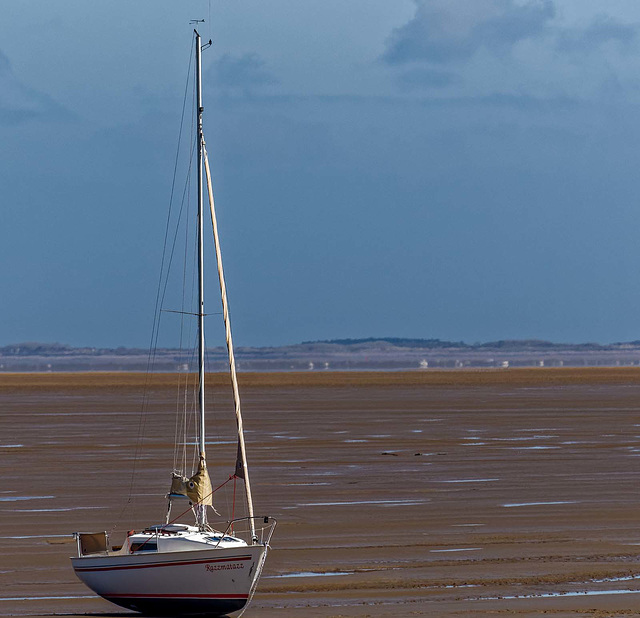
(479, 47)
(245, 72)
(417, 78)
(19, 103)
(601, 31)
(515, 23)
(447, 31)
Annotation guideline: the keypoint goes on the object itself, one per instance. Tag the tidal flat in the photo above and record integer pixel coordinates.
(437, 493)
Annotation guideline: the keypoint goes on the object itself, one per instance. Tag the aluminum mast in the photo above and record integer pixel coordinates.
(203, 165)
(202, 509)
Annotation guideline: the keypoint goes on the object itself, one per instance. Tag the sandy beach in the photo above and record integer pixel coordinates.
(439, 493)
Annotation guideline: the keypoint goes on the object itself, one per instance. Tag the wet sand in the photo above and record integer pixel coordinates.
(462, 493)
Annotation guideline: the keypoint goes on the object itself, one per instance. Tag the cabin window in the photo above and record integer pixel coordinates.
(142, 546)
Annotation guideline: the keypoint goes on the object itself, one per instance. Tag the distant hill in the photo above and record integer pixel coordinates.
(396, 341)
(512, 344)
(371, 353)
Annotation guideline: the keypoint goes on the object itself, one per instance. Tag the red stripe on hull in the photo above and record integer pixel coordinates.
(242, 597)
(161, 564)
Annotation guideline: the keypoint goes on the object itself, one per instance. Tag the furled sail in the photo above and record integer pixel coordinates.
(178, 486)
(198, 487)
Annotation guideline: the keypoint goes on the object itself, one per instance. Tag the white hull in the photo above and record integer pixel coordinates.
(212, 581)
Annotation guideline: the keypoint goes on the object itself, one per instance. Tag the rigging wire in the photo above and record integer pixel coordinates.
(183, 312)
(184, 411)
(168, 254)
(190, 414)
(193, 336)
(185, 199)
(158, 302)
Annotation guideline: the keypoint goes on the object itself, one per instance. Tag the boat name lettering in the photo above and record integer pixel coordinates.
(224, 567)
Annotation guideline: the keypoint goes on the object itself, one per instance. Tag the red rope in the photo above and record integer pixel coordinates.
(233, 507)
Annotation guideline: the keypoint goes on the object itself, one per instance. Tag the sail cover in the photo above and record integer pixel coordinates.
(178, 486)
(198, 487)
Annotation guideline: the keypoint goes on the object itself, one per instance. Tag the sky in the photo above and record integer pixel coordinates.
(453, 169)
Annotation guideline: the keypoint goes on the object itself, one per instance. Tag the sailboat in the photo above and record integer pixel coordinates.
(177, 568)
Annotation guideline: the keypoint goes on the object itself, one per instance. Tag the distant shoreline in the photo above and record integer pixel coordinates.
(536, 377)
(386, 354)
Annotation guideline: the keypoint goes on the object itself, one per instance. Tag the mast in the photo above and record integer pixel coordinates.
(242, 469)
(202, 513)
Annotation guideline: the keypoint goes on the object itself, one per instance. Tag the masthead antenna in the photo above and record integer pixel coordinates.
(195, 22)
